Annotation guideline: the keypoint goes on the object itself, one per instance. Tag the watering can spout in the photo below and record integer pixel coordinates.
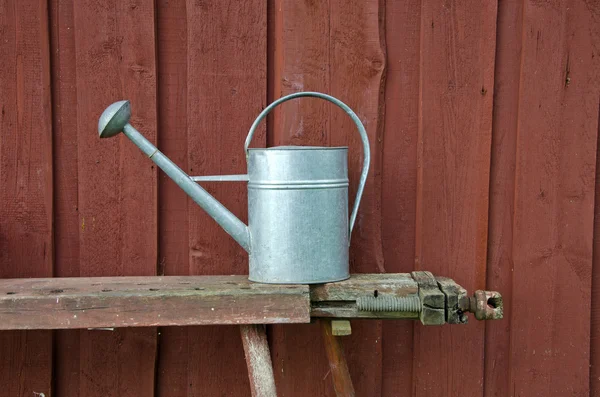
(115, 119)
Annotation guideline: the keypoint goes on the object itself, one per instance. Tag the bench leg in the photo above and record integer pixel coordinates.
(258, 360)
(342, 383)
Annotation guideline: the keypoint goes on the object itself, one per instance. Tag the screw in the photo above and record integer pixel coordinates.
(411, 304)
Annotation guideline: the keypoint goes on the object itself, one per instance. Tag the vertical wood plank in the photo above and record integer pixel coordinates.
(66, 211)
(115, 52)
(349, 64)
(26, 235)
(299, 60)
(357, 56)
(554, 199)
(595, 301)
(173, 222)
(457, 71)
(502, 192)
(226, 90)
(399, 178)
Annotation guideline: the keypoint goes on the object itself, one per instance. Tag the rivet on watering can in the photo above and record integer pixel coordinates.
(410, 304)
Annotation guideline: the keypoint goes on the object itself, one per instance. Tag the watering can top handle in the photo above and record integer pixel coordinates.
(353, 116)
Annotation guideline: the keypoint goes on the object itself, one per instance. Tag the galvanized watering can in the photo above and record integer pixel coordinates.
(298, 228)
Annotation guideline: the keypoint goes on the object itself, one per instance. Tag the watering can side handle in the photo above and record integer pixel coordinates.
(353, 116)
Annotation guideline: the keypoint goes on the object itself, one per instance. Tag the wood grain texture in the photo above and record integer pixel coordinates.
(173, 215)
(337, 48)
(502, 192)
(554, 200)
(26, 246)
(399, 177)
(258, 360)
(299, 60)
(374, 284)
(226, 90)
(595, 296)
(101, 302)
(456, 91)
(357, 56)
(66, 208)
(117, 186)
(340, 375)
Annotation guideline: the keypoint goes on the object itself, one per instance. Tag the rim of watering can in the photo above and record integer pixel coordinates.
(359, 125)
(290, 147)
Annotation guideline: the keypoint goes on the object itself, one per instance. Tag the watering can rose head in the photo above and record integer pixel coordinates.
(114, 119)
(298, 226)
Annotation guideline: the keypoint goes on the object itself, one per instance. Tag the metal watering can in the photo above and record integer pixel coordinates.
(298, 228)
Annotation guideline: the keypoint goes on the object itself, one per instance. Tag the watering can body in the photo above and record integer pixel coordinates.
(299, 226)
(298, 214)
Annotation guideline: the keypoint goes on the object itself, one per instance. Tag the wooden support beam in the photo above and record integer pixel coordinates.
(101, 302)
(258, 360)
(342, 383)
(110, 302)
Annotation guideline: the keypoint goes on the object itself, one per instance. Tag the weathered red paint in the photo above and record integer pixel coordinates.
(173, 214)
(453, 157)
(399, 177)
(117, 187)
(26, 189)
(554, 200)
(502, 192)
(422, 74)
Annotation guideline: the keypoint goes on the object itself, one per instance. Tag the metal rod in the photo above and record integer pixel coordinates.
(220, 178)
(232, 225)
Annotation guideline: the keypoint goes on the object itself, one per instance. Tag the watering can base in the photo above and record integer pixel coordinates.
(293, 282)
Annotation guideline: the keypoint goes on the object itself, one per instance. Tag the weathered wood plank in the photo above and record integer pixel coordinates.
(432, 299)
(117, 184)
(595, 302)
(26, 202)
(340, 375)
(453, 162)
(357, 76)
(299, 60)
(363, 285)
(399, 179)
(141, 302)
(173, 212)
(66, 361)
(502, 192)
(258, 360)
(226, 90)
(553, 214)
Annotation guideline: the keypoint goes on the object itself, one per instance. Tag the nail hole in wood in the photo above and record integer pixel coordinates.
(375, 293)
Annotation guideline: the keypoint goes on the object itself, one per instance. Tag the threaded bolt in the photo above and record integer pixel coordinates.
(411, 304)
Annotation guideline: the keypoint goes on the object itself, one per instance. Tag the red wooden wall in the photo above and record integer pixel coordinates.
(483, 122)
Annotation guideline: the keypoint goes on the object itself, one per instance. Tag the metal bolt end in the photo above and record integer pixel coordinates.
(486, 305)
(114, 119)
(411, 304)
